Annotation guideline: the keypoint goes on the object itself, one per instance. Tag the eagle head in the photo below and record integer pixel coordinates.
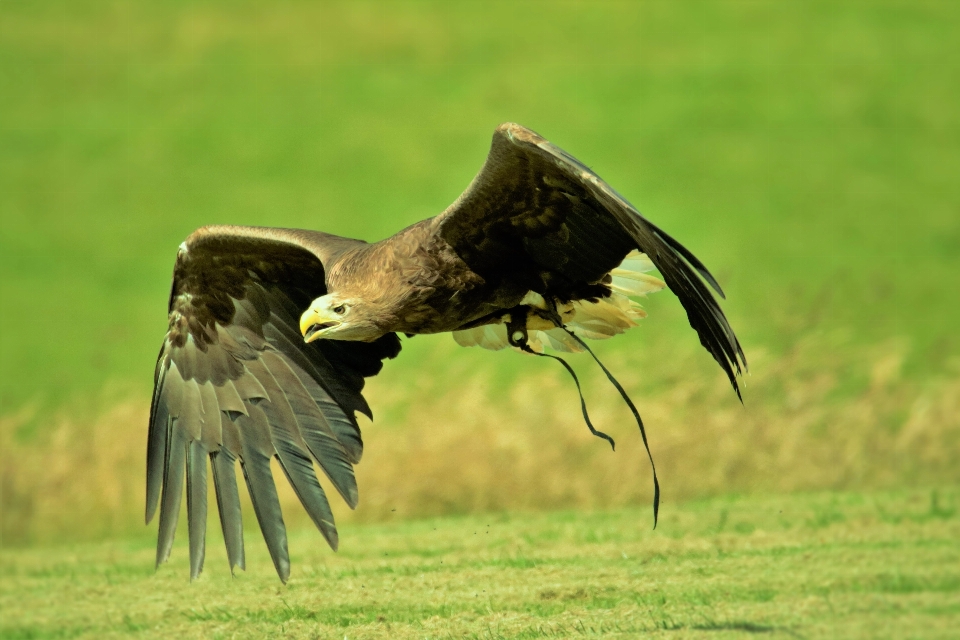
(338, 317)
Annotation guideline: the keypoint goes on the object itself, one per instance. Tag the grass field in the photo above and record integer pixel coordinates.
(807, 152)
(825, 565)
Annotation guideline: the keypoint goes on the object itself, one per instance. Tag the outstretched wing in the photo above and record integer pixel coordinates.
(537, 216)
(235, 381)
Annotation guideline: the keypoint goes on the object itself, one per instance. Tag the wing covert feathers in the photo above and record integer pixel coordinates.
(236, 383)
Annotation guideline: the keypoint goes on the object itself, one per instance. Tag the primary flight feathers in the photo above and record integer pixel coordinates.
(272, 331)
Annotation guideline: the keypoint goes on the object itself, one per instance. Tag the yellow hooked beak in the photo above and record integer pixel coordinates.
(316, 322)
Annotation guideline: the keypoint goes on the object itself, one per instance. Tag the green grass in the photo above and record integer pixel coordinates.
(825, 565)
(806, 151)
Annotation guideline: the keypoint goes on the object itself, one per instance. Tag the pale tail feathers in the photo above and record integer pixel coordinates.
(599, 320)
(604, 318)
(635, 284)
(636, 262)
(488, 336)
(494, 337)
(631, 277)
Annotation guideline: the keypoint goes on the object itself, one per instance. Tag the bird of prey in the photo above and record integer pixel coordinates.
(272, 331)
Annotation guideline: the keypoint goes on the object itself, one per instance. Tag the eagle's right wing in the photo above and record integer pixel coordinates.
(235, 381)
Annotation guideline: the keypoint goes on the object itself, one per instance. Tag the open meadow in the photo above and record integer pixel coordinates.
(826, 565)
(807, 152)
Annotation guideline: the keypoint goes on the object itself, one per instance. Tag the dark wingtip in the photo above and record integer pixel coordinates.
(239, 564)
(151, 507)
(334, 540)
(689, 257)
(353, 497)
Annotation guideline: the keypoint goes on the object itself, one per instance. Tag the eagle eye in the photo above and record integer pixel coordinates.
(339, 309)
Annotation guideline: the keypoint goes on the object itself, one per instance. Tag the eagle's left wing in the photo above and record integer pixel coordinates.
(537, 218)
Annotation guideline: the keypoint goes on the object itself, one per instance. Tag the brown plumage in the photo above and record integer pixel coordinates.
(236, 380)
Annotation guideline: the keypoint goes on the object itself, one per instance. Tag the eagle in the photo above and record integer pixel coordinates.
(272, 331)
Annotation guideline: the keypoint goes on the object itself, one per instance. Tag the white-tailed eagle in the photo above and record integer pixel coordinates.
(272, 331)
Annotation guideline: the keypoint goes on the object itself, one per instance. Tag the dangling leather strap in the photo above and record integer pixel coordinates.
(517, 337)
(583, 404)
(636, 414)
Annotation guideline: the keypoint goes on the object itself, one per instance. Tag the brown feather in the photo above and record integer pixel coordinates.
(165, 408)
(174, 469)
(229, 398)
(228, 496)
(257, 451)
(314, 429)
(210, 418)
(346, 430)
(292, 452)
(190, 420)
(196, 505)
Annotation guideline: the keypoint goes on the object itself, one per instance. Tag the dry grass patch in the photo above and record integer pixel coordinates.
(821, 416)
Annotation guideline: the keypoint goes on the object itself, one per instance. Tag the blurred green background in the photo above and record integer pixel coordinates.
(807, 152)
